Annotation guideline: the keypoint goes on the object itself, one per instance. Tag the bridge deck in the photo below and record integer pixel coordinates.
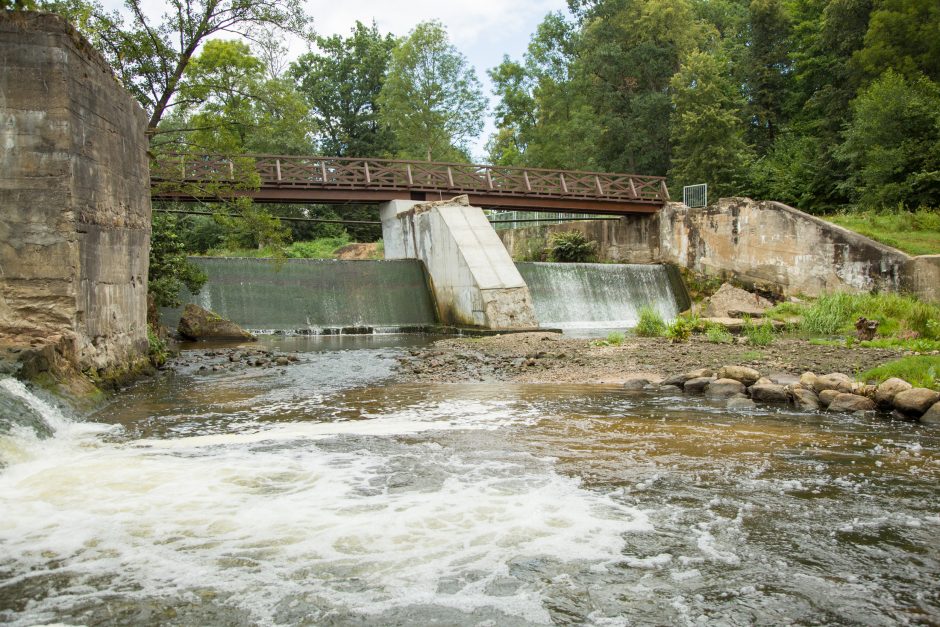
(330, 180)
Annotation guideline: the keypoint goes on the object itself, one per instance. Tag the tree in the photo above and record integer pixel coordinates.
(432, 99)
(341, 83)
(630, 50)
(170, 270)
(893, 142)
(903, 35)
(150, 57)
(766, 69)
(707, 132)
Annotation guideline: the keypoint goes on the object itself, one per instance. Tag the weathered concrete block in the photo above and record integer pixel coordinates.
(473, 278)
(74, 196)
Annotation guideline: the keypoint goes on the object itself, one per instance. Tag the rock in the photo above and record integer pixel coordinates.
(834, 381)
(769, 393)
(669, 388)
(740, 403)
(729, 298)
(637, 382)
(680, 379)
(932, 415)
(805, 398)
(783, 378)
(826, 396)
(845, 402)
(197, 323)
(747, 376)
(763, 381)
(915, 401)
(724, 388)
(697, 385)
(886, 391)
(282, 361)
(808, 380)
(865, 329)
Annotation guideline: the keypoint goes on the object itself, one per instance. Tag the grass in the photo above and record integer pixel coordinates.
(718, 334)
(902, 319)
(914, 232)
(921, 371)
(650, 324)
(680, 330)
(758, 334)
(614, 338)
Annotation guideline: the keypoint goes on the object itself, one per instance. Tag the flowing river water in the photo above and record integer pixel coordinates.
(324, 494)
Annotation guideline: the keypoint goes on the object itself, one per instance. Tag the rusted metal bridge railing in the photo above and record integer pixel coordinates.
(350, 180)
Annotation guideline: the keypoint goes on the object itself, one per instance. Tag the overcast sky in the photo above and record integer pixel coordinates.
(483, 30)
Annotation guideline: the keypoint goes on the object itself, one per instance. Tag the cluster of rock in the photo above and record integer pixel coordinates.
(743, 387)
(219, 361)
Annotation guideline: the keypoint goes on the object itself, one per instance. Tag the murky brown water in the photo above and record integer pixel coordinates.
(321, 495)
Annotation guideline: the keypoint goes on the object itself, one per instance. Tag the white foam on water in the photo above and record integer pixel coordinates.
(287, 519)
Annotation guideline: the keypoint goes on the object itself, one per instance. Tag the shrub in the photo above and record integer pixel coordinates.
(718, 334)
(615, 338)
(650, 324)
(759, 334)
(679, 331)
(571, 247)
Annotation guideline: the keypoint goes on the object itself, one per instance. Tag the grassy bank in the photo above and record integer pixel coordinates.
(914, 232)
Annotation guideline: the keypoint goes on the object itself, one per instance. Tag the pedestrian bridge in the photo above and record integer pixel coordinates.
(341, 180)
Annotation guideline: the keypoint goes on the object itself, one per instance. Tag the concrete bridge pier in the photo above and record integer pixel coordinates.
(473, 279)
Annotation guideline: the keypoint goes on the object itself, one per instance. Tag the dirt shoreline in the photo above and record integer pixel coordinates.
(552, 358)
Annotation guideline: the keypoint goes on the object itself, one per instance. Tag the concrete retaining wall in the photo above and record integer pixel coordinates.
(763, 244)
(74, 197)
(312, 294)
(473, 279)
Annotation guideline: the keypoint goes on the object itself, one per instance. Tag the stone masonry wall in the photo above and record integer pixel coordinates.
(763, 244)
(74, 197)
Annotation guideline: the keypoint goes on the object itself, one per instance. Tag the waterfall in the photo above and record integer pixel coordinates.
(313, 295)
(596, 295)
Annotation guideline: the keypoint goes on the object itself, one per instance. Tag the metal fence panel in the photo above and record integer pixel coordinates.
(695, 195)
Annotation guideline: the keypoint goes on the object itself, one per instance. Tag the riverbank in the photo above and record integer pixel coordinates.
(552, 358)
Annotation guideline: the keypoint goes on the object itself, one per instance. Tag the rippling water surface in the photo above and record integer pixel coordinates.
(321, 494)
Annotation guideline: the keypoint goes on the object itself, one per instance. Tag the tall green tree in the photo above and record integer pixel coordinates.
(766, 72)
(150, 56)
(341, 83)
(707, 131)
(544, 115)
(630, 50)
(893, 143)
(904, 36)
(432, 99)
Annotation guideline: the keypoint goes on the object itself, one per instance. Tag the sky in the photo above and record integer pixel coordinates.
(483, 30)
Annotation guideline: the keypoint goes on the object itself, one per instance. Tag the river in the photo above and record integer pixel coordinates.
(323, 493)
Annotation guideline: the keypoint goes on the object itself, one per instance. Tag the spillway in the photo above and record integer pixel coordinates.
(598, 295)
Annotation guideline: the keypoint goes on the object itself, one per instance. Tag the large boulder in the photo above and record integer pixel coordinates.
(680, 379)
(769, 393)
(637, 382)
(724, 388)
(197, 323)
(733, 302)
(747, 376)
(805, 398)
(808, 380)
(826, 397)
(932, 415)
(844, 402)
(885, 393)
(834, 381)
(697, 385)
(915, 401)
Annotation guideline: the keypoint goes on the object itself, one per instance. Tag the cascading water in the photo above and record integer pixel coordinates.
(593, 295)
(325, 494)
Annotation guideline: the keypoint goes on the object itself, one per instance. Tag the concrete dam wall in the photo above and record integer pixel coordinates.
(314, 295)
(326, 296)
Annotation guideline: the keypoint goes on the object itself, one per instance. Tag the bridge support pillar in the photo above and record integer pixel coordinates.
(473, 279)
